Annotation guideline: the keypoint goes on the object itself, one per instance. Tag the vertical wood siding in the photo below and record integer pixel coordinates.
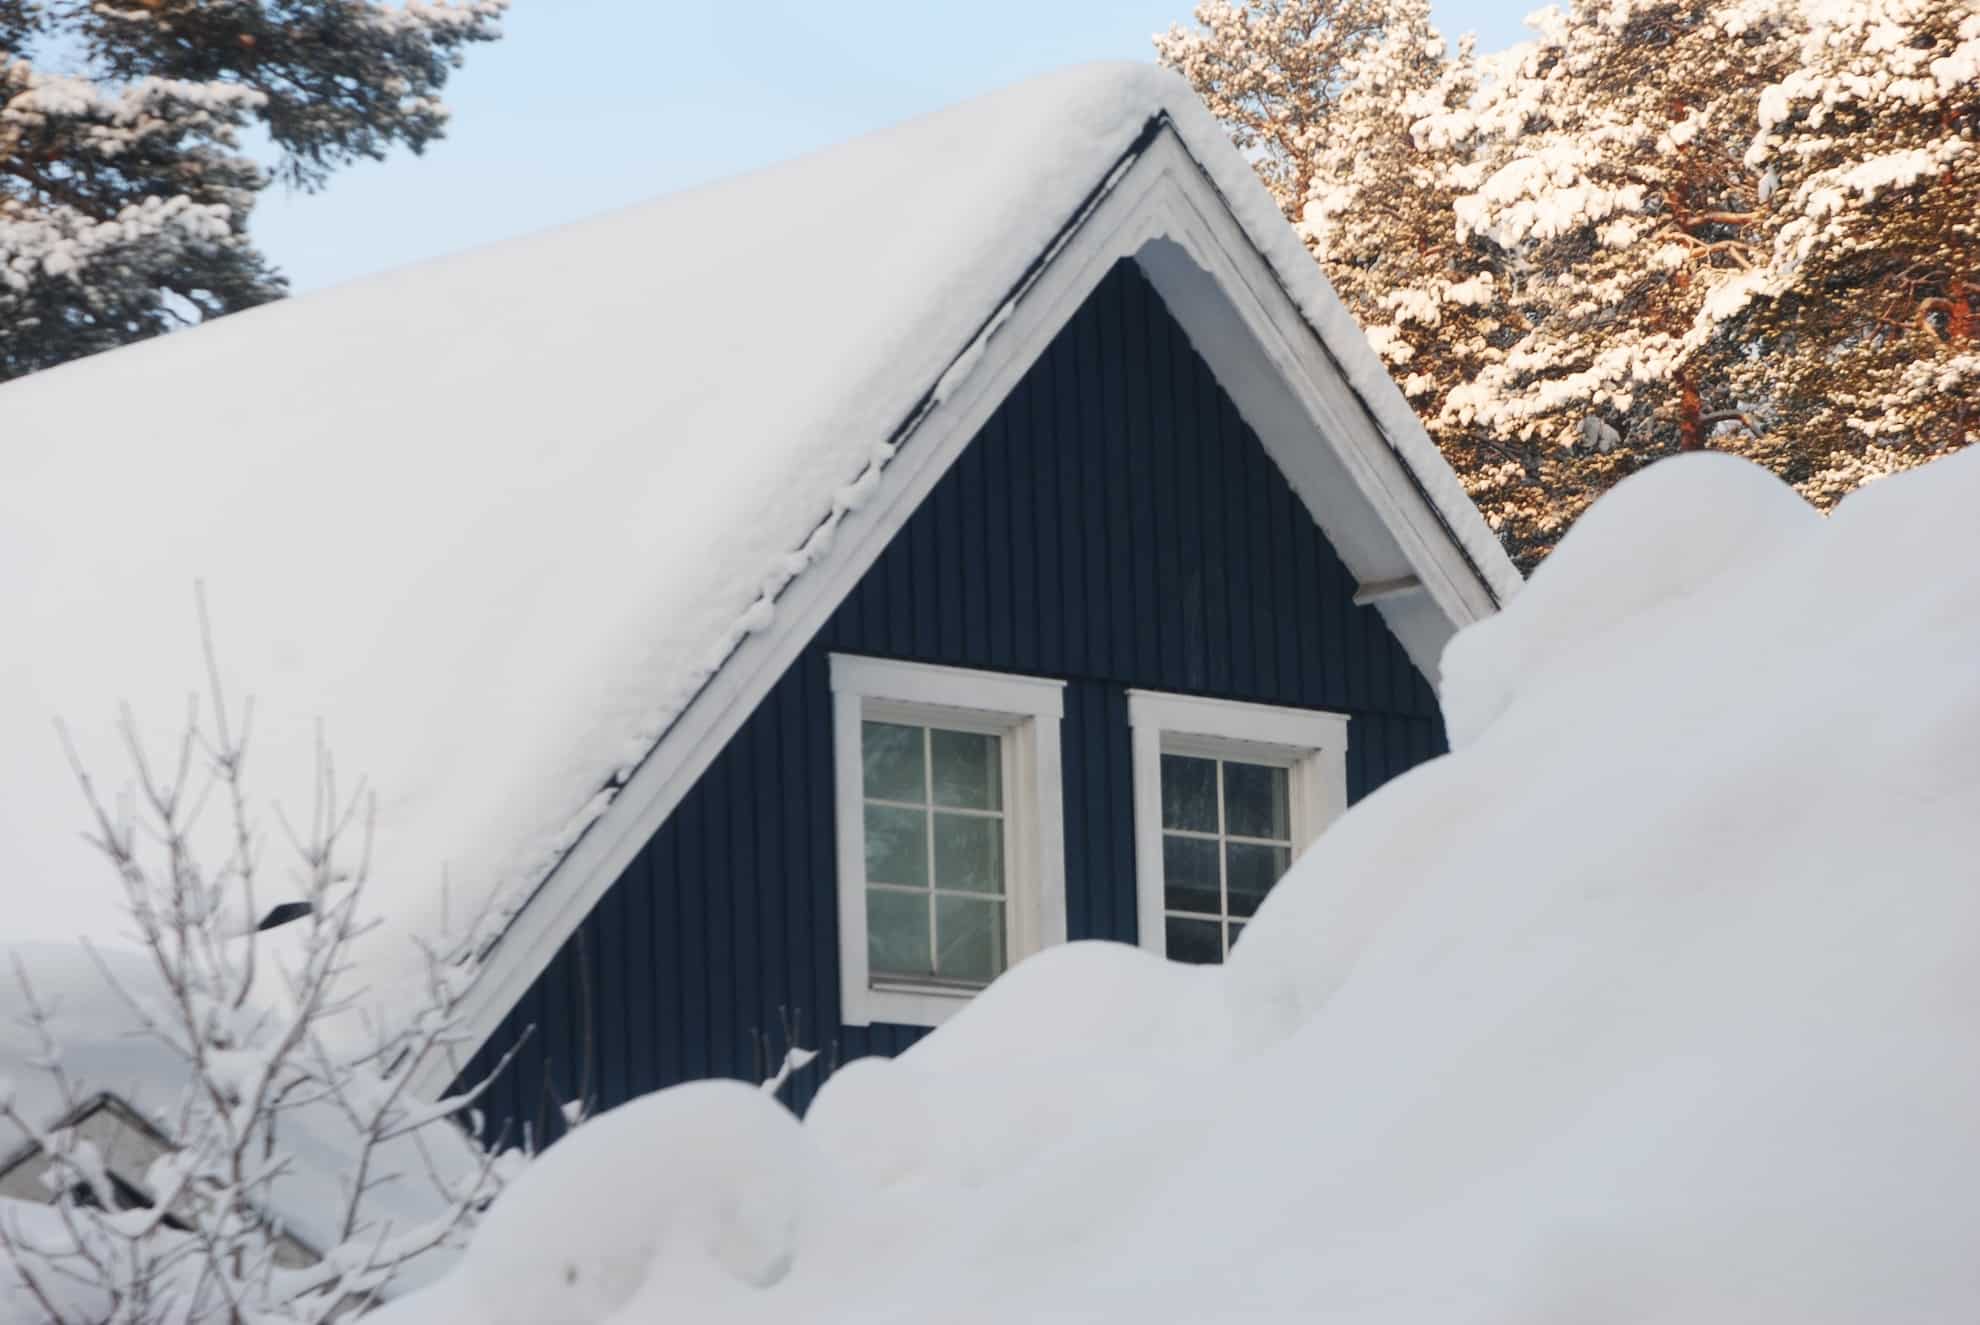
(1115, 524)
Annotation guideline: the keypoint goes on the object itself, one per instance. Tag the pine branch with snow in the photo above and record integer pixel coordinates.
(125, 187)
(1661, 225)
(1271, 69)
(1861, 336)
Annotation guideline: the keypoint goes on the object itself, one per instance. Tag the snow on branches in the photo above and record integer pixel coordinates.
(292, 1175)
(1660, 225)
(121, 210)
(124, 187)
(341, 79)
(1861, 332)
(1270, 70)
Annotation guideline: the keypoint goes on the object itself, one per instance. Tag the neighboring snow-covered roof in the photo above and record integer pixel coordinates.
(495, 519)
(105, 1051)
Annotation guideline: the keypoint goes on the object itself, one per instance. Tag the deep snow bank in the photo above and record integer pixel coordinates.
(1655, 1001)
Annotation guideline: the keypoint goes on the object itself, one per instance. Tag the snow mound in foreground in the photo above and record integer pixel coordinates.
(1650, 543)
(696, 1185)
(1654, 1001)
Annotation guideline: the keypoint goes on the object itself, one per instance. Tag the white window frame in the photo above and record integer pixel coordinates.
(1024, 710)
(1310, 743)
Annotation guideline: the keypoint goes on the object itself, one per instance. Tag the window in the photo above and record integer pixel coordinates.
(951, 851)
(1226, 839)
(1226, 796)
(936, 909)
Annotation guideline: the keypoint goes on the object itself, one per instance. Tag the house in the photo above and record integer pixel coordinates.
(127, 1140)
(128, 1143)
(795, 601)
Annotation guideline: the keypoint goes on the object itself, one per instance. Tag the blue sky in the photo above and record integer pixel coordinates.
(591, 104)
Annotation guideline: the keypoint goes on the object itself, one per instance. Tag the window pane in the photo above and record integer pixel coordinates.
(969, 853)
(1236, 929)
(1251, 870)
(1189, 793)
(1255, 801)
(1197, 941)
(896, 846)
(970, 933)
(1189, 875)
(897, 933)
(892, 756)
(968, 770)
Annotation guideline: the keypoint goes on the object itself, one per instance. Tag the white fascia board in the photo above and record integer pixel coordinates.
(1282, 375)
(1158, 208)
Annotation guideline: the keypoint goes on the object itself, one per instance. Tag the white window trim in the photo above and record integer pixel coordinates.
(1026, 711)
(1310, 743)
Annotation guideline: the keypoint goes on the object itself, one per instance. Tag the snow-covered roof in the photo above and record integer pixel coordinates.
(495, 520)
(106, 1052)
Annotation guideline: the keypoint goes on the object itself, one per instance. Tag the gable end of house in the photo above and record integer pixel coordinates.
(1114, 527)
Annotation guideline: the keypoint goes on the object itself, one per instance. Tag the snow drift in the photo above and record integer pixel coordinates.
(1655, 1000)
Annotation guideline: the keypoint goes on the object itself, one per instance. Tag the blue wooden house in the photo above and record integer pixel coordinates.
(792, 602)
(1152, 587)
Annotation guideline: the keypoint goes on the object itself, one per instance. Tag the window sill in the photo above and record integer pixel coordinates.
(939, 988)
(909, 1003)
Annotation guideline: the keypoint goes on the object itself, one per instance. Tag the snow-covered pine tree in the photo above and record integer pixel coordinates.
(1607, 165)
(1668, 224)
(1271, 70)
(1378, 218)
(1860, 340)
(124, 186)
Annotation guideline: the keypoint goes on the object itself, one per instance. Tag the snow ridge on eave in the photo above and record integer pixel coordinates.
(1368, 410)
(817, 544)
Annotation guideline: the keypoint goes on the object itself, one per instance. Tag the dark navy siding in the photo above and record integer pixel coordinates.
(1115, 524)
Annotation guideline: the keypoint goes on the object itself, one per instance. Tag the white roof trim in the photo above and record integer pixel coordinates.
(1156, 205)
(1240, 316)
